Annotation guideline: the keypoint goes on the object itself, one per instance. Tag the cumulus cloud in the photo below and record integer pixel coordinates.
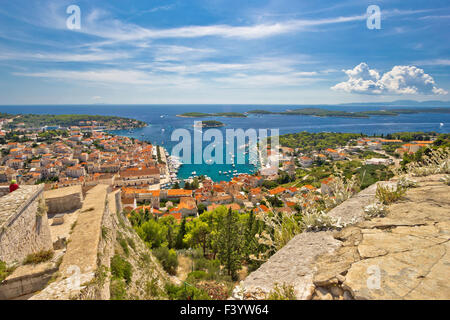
(400, 80)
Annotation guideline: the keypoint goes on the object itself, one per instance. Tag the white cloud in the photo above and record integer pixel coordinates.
(117, 30)
(434, 62)
(400, 80)
(113, 76)
(64, 57)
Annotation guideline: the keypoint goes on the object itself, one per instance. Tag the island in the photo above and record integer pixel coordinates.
(219, 114)
(61, 121)
(209, 124)
(318, 112)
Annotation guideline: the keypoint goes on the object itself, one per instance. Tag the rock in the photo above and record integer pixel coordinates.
(347, 296)
(405, 255)
(336, 291)
(323, 294)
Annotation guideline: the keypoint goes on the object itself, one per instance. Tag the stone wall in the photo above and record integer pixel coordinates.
(23, 224)
(84, 251)
(21, 286)
(4, 190)
(64, 200)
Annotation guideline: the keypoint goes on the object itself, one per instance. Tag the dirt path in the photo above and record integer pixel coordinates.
(184, 267)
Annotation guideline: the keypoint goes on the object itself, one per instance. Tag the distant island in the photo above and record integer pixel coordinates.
(318, 112)
(36, 121)
(209, 124)
(204, 115)
(361, 114)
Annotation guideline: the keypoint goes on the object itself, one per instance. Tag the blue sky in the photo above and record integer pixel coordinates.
(223, 51)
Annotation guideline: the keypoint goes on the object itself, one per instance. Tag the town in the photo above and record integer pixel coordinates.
(85, 155)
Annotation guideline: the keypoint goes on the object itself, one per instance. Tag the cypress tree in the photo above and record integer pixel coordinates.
(229, 243)
(180, 235)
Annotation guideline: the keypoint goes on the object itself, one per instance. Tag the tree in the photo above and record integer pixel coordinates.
(201, 208)
(229, 243)
(197, 234)
(153, 233)
(179, 244)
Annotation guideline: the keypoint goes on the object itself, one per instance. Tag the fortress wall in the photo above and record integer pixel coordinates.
(91, 246)
(23, 224)
(64, 199)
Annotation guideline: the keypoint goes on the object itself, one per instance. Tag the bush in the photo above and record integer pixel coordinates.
(185, 292)
(285, 292)
(124, 245)
(4, 271)
(168, 259)
(118, 290)
(387, 195)
(203, 264)
(375, 210)
(131, 243)
(39, 257)
(121, 269)
(195, 276)
(318, 221)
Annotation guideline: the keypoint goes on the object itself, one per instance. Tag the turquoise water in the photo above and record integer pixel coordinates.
(162, 121)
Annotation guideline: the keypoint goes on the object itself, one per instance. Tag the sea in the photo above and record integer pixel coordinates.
(162, 120)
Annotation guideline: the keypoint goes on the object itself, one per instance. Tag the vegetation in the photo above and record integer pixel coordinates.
(168, 259)
(229, 243)
(210, 124)
(318, 112)
(387, 195)
(4, 271)
(219, 114)
(185, 292)
(375, 210)
(284, 292)
(66, 120)
(39, 257)
(307, 141)
(121, 269)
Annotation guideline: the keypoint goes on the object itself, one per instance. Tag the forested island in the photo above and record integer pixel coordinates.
(68, 120)
(318, 112)
(209, 124)
(219, 114)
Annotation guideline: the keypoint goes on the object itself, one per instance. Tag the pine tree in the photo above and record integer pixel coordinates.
(229, 243)
(179, 244)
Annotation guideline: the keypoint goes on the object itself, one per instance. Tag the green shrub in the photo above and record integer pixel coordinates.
(152, 289)
(118, 290)
(39, 257)
(185, 292)
(168, 259)
(131, 243)
(4, 271)
(285, 292)
(121, 269)
(387, 195)
(197, 276)
(212, 266)
(124, 245)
